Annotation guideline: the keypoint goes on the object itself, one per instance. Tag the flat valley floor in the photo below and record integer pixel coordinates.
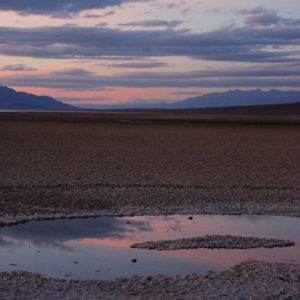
(85, 163)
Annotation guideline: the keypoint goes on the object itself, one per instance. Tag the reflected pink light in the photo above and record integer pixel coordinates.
(124, 243)
(213, 257)
(163, 229)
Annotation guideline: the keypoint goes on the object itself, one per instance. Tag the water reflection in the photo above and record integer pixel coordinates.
(101, 246)
(4, 242)
(56, 233)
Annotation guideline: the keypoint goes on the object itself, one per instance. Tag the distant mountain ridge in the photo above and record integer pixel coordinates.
(239, 98)
(11, 99)
(231, 98)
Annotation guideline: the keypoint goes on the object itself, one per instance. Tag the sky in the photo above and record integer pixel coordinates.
(106, 52)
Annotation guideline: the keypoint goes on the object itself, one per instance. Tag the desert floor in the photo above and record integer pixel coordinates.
(116, 162)
(100, 163)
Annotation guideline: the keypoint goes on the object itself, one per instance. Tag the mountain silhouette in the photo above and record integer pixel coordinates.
(239, 98)
(11, 99)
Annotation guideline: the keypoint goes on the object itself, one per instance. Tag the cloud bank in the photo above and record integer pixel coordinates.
(17, 68)
(80, 79)
(247, 44)
(261, 16)
(154, 23)
(57, 8)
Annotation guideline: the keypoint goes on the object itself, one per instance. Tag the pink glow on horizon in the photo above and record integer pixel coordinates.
(114, 95)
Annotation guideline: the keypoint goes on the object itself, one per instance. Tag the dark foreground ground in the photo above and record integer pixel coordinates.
(89, 163)
(75, 162)
(250, 280)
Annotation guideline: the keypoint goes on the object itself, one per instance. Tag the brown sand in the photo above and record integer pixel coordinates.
(92, 163)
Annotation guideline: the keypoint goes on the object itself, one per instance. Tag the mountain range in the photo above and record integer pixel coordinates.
(13, 100)
(239, 98)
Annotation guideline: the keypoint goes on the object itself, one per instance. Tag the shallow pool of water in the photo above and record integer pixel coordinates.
(99, 248)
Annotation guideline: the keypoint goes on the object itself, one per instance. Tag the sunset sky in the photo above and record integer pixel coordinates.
(95, 52)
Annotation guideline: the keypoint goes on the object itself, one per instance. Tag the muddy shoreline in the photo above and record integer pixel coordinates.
(252, 279)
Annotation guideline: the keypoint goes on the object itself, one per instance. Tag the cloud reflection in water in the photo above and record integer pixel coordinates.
(56, 233)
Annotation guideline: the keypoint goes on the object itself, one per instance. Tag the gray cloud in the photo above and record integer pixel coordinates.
(57, 8)
(153, 23)
(71, 72)
(78, 79)
(226, 44)
(261, 16)
(16, 68)
(101, 24)
(185, 11)
(253, 11)
(97, 16)
(166, 5)
(263, 20)
(286, 71)
(123, 58)
(137, 65)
